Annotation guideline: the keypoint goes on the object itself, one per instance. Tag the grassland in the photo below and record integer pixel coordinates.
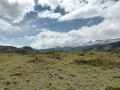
(60, 71)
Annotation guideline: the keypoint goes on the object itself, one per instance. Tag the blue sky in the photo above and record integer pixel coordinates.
(57, 23)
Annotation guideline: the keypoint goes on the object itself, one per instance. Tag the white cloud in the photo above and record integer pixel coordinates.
(92, 9)
(51, 39)
(14, 9)
(52, 3)
(49, 14)
(87, 11)
(8, 30)
(108, 29)
(68, 5)
(71, 5)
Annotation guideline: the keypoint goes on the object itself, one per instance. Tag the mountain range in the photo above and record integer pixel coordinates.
(100, 45)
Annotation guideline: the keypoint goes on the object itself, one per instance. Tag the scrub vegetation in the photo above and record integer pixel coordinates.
(60, 71)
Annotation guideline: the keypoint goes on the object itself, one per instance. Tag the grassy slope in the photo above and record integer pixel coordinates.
(60, 71)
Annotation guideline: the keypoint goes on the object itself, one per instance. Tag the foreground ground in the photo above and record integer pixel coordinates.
(60, 71)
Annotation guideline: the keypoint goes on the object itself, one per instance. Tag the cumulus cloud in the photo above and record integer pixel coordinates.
(84, 12)
(8, 30)
(52, 3)
(6, 26)
(49, 14)
(14, 10)
(108, 29)
(73, 38)
(93, 8)
(68, 5)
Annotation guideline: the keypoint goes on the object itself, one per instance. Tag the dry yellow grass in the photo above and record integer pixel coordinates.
(60, 71)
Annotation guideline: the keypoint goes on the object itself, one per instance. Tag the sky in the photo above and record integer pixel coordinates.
(43, 24)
